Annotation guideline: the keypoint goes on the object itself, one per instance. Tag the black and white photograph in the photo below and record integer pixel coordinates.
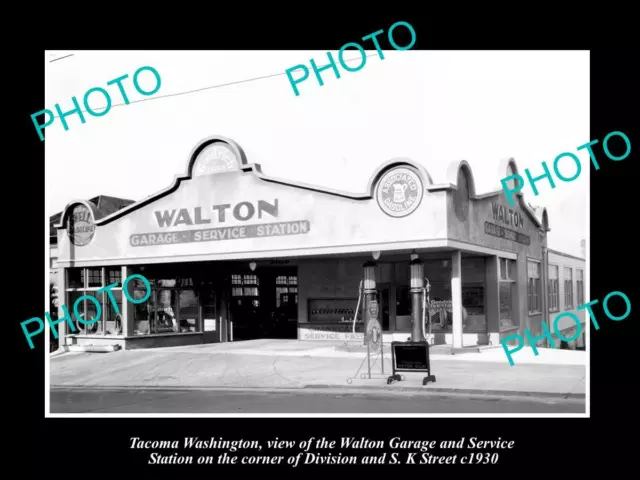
(374, 231)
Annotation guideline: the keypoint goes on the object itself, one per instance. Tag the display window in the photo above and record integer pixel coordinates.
(85, 282)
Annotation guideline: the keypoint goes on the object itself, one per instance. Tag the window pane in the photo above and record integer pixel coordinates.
(71, 299)
(90, 312)
(188, 311)
(114, 275)
(511, 269)
(506, 307)
(75, 277)
(503, 269)
(113, 322)
(94, 277)
(166, 307)
(143, 313)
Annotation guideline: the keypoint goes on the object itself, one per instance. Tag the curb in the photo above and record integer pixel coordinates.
(466, 391)
(60, 351)
(309, 388)
(94, 348)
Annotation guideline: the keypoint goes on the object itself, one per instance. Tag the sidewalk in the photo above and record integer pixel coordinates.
(297, 364)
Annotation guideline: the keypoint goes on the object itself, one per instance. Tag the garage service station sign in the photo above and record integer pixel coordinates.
(241, 212)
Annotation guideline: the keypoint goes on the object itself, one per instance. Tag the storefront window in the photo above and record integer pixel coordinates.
(166, 312)
(188, 300)
(508, 318)
(75, 277)
(173, 305)
(568, 289)
(143, 313)
(553, 288)
(113, 320)
(474, 319)
(507, 269)
(82, 282)
(114, 275)
(94, 277)
(580, 287)
(506, 306)
(534, 287)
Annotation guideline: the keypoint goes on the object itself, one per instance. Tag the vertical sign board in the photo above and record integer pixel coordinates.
(410, 357)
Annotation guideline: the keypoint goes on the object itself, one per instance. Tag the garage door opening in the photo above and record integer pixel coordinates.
(264, 304)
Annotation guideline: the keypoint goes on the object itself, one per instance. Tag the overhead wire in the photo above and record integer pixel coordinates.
(61, 58)
(100, 109)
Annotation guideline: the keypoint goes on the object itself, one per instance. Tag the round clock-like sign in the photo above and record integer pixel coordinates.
(80, 225)
(399, 192)
(215, 158)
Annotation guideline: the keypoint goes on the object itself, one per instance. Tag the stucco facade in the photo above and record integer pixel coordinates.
(225, 243)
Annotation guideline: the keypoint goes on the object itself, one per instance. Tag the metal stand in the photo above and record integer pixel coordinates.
(370, 365)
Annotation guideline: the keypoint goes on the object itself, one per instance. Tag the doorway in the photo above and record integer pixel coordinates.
(211, 324)
(264, 303)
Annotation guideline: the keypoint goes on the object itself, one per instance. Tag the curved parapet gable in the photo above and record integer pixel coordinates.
(394, 163)
(545, 220)
(486, 218)
(453, 175)
(215, 154)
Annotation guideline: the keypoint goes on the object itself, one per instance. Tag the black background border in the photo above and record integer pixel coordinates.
(99, 447)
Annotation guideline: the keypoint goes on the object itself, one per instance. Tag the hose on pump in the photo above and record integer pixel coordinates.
(355, 316)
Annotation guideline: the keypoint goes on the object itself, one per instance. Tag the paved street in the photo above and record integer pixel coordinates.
(247, 401)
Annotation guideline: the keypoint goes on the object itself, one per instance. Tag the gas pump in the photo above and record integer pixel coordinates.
(372, 338)
(373, 332)
(426, 313)
(418, 297)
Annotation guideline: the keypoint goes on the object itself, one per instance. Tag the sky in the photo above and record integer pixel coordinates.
(434, 107)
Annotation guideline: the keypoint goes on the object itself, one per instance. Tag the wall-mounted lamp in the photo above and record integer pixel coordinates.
(252, 266)
(414, 255)
(375, 255)
(445, 263)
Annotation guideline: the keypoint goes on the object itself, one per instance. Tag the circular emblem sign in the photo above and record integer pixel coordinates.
(399, 192)
(214, 158)
(80, 226)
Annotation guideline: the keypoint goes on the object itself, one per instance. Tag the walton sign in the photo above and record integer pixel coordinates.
(240, 212)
